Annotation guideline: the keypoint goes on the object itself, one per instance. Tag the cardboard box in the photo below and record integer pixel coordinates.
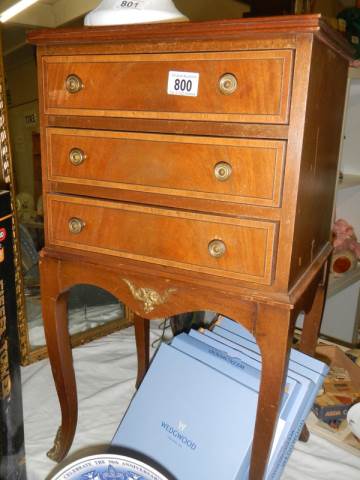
(197, 403)
(240, 335)
(341, 436)
(295, 401)
(301, 367)
(191, 419)
(341, 386)
(12, 452)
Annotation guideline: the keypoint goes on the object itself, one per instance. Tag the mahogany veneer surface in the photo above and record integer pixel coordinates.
(169, 164)
(135, 85)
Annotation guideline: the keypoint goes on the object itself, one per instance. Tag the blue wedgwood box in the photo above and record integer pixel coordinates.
(191, 419)
(186, 402)
(295, 355)
(294, 406)
(238, 370)
(304, 365)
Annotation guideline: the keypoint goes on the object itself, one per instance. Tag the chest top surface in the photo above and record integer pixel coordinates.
(206, 31)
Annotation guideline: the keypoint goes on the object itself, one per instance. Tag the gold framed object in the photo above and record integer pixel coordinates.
(33, 355)
(7, 176)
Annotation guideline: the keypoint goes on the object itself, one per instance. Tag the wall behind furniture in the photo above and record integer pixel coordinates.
(211, 10)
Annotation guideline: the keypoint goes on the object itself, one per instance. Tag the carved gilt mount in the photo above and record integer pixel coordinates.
(151, 298)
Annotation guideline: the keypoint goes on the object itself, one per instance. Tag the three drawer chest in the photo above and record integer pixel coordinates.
(191, 166)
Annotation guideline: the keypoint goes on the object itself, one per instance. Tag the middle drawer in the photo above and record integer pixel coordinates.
(226, 170)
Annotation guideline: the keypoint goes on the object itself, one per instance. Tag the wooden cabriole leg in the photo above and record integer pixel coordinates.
(274, 330)
(142, 337)
(314, 310)
(55, 319)
(313, 316)
(304, 435)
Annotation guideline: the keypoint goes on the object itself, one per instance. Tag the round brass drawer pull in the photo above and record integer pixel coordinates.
(228, 84)
(76, 225)
(73, 84)
(217, 248)
(77, 156)
(222, 171)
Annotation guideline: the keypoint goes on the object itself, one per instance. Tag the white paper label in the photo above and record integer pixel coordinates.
(133, 4)
(183, 83)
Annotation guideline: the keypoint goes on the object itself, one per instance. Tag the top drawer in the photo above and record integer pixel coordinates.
(137, 86)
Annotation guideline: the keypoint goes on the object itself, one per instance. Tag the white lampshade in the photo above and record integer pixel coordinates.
(123, 12)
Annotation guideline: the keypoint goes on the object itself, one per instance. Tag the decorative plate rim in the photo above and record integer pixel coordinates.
(155, 474)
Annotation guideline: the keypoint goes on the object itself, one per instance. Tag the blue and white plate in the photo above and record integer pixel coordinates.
(108, 467)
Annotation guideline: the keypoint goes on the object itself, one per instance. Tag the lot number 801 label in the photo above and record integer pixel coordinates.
(183, 83)
(134, 4)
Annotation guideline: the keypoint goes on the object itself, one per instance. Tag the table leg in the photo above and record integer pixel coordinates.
(142, 337)
(274, 331)
(54, 305)
(304, 435)
(312, 321)
(311, 327)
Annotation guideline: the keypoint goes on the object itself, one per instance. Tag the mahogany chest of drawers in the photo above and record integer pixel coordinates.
(190, 167)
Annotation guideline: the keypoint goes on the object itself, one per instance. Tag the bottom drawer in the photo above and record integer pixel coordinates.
(229, 247)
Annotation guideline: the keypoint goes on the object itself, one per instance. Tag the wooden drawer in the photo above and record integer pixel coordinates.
(227, 170)
(137, 86)
(166, 237)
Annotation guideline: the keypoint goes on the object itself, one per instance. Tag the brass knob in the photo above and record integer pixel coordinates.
(228, 84)
(217, 248)
(74, 84)
(222, 171)
(76, 225)
(77, 156)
